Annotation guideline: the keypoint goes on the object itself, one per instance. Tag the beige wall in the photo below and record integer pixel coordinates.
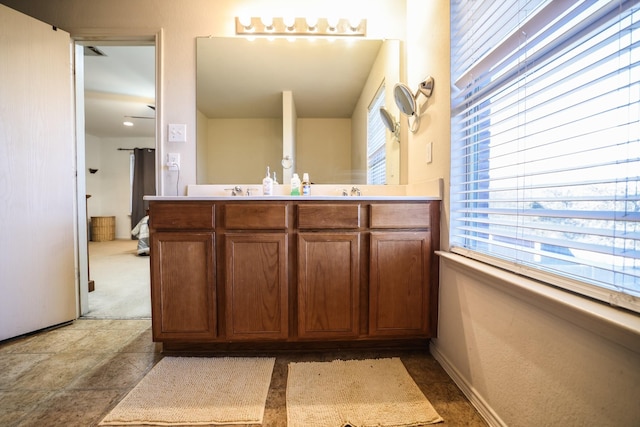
(202, 150)
(428, 55)
(385, 70)
(110, 186)
(525, 358)
(323, 150)
(261, 147)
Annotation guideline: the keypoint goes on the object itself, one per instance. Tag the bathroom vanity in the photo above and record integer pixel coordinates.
(293, 271)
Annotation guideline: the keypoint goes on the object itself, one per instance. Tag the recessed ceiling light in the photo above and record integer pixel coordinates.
(127, 123)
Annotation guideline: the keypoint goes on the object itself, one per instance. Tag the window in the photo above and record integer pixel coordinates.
(545, 177)
(376, 142)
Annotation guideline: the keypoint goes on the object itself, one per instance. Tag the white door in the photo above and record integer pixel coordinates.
(37, 176)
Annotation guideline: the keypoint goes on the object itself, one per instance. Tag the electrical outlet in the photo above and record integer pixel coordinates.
(429, 152)
(177, 133)
(173, 161)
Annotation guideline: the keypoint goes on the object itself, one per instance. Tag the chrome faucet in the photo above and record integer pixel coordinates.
(235, 191)
(355, 191)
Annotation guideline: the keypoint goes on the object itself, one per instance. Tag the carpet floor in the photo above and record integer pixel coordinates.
(122, 281)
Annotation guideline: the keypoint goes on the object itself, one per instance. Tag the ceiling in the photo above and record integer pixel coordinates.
(119, 86)
(243, 78)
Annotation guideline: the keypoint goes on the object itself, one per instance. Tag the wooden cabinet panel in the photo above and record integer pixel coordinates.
(400, 215)
(328, 284)
(182, 216)
(256, 286)
(183, 286)
(399, 284)
(256, 216)
(325, 216)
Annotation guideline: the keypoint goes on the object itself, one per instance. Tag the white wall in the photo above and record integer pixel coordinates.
(110, 186)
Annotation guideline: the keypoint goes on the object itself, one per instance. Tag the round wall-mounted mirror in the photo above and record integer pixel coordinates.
(404, 98)
(388, 120)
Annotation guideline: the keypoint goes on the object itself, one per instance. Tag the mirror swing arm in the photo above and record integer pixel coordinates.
(407, 101)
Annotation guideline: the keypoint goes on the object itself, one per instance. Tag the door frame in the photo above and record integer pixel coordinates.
(78, 40)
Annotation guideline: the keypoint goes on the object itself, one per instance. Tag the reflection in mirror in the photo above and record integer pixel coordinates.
(259, 101)
(390, 122)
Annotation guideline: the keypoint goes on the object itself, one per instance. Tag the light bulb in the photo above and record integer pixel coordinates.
(289, 22)
(333, 22)
(354, 23)
(312, 23)
(246, 22)
(267, 21)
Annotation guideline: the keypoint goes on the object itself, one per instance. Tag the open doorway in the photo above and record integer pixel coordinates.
(118, 109)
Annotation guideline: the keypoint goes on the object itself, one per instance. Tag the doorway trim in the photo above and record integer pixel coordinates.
(79, 39)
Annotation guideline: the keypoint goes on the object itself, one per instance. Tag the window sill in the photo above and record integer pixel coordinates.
(617, 325)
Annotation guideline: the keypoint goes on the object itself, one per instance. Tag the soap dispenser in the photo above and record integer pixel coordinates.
(267, 184)
(295, 185)
(306, 184)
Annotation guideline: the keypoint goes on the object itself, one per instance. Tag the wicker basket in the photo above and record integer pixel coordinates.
(103, 228)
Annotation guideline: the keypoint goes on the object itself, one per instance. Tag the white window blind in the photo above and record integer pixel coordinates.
(545, 176)
(376, 142)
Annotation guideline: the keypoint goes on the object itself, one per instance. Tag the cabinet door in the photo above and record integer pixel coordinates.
(256, 286)
(399, 284)
(183, 286)
(328, 284)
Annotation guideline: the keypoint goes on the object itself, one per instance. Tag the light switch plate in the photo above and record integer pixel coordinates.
(429, 152)
(177, 133)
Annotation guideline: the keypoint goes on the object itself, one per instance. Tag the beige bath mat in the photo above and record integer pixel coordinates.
(358, 393)
(196, 391)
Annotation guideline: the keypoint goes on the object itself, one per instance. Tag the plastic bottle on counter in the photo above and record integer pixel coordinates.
(306, 185)
(267, 184)
(295, 185)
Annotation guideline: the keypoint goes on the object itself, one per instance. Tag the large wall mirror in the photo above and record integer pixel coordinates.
(304, 100)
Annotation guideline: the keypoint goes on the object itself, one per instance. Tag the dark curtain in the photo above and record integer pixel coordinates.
(144, 182)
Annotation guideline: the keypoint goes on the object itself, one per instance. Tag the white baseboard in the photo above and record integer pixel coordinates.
(468, 390)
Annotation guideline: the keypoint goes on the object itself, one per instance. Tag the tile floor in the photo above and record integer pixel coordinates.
(74, 375)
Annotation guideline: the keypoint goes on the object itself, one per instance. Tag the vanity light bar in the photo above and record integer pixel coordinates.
(300, 27)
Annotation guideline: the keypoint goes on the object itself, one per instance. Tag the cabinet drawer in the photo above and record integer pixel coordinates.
(328, 216)
(400, 215)
(167, 215)
(254, 216)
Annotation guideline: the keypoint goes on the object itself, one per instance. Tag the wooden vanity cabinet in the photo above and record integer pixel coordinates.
(183, 291)
(328, 271)
(403, 292)
(256, 271)
(293, 271)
